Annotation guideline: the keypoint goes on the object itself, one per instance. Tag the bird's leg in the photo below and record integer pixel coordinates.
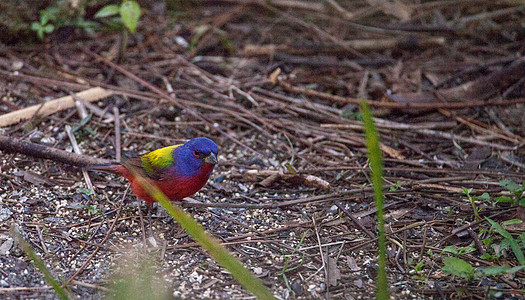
(149, 207)
(139, 203)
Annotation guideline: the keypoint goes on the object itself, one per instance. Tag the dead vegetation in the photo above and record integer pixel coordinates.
(276, 84)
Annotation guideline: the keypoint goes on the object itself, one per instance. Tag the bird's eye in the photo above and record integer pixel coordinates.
(197, 153)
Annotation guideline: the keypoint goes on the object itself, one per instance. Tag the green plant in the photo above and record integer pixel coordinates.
(508, 240)
(376, 165)
(287, 261)
(472, 201)
(458, 251)
(86, 193)
(80, 130)
(351, 115)
(128, 12)
(460, 268)
(43, 26)
(56, 16)
(93, 209)
(516, 189)
(395, 187)
(418, 271)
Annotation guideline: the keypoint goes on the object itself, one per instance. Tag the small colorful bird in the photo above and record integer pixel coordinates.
(179, 171)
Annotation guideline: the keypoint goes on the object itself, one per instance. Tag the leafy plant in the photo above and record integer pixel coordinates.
(86, 193)
(458, 251)
(516, 189)
(418, 270)
(43, 26)
(395, 187)
(459, 267)
(472, 201)
(93, 209)
(128, 12)
(54, 17)
(80, 130)
(508, 240)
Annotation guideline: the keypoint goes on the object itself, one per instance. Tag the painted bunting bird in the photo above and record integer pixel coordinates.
(179, 171)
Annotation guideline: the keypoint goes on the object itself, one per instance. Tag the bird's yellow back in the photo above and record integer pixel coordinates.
(160, 158)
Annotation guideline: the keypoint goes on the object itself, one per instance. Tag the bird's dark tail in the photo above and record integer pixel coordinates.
(110, 168)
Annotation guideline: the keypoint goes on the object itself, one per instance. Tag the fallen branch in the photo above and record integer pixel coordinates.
(15, 145)
(53, 106)
(274, 175)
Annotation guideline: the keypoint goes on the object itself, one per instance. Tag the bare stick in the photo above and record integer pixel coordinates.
(10, 144)
(78, 151)
(117, 133)
(53, 106)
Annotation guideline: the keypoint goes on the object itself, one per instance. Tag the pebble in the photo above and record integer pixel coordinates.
(5, 213)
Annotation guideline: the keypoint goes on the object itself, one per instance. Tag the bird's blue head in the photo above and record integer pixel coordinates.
(195, 157)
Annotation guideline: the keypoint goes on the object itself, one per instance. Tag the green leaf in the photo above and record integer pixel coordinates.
(35, 26)
(290, 168)
(226, 43)
(44, 17)
(466, 191)
(130, 13)
(108, 10)
(522, 237)
(48, 14)
(458, 267)
(85, 120)
(513, 221)
(87, 192)
(451, 249)
(486, 256)
(484, 196)
(466, 250)
(504, 199)
(522, 202)
(497, 270)
(419, 266)
(503, 245)
(351, 115)
(513, 244)
(48, 28)
(510, 185)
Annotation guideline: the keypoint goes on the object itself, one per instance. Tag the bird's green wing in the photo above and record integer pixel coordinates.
(157, 162)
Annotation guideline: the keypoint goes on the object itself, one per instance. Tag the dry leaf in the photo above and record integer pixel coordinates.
(333, 272)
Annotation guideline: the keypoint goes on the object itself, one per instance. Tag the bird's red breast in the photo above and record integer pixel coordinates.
(175, 188)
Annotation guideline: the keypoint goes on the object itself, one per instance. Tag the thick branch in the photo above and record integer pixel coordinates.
(10, 144)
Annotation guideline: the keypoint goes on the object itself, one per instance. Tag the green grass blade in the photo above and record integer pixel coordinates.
(376, 164)
(136, 278)
(216, 250)
(40, 265)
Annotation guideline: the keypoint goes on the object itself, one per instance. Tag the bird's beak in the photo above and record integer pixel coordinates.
(211, 159)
